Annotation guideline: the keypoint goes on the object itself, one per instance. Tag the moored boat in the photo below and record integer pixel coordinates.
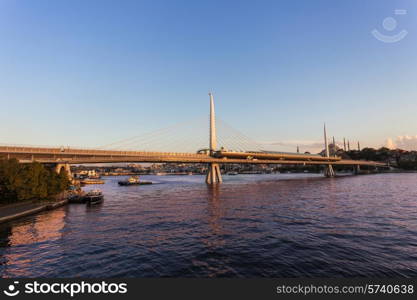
(92, 181)
(94, 197)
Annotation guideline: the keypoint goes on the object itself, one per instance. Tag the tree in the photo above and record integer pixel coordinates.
(63, 181)
(9, 179)
(20, 182)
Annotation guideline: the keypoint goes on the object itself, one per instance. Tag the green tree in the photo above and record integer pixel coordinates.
(20, 182)
(63, 181)
(9, 179)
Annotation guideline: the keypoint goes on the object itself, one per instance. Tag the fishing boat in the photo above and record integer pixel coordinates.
(94, 197)
(134, 180)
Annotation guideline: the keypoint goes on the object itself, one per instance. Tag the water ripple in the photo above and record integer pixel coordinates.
(251, 226)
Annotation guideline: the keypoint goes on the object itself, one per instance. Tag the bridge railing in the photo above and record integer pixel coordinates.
(98, 152)
(69, 153)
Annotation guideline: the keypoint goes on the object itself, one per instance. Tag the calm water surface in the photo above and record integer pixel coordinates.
(282, 225)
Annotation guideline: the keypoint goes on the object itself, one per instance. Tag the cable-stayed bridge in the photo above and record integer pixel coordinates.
(221, 144)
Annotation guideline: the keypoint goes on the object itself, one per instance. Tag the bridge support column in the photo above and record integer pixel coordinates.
(356, 169)
(66, 167)
(213, 174)
(329, 172)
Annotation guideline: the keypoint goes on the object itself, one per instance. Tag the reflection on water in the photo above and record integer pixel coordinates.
(251, 226)
(42, 228)
(35, 230)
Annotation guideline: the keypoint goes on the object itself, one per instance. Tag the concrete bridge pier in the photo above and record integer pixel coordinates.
(329, 171)
(213, 174)
(66, 167)
(356, 169)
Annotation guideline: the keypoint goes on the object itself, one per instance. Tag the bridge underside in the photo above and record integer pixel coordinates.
(198, 158)
(64, 157)
(68, 155)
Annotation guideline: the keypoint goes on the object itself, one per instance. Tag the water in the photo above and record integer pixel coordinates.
(283, 225)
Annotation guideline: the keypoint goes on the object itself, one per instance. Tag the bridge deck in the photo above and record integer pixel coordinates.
(83, 156)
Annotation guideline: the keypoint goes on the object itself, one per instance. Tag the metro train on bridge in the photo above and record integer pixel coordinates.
(267, 155)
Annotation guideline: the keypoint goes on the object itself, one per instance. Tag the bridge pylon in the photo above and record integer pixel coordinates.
(213, 173)
(328, 171)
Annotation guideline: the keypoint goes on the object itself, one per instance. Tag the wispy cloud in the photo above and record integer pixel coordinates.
(406, 142)
(291, 145)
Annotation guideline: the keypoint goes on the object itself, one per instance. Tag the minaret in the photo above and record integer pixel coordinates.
(359, 146)
(348, 146)
(298, 149)
(344, 144)
(326, 144)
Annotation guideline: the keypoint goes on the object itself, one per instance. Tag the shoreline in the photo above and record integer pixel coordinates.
(21, 210)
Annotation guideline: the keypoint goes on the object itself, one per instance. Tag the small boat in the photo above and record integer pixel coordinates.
(134, 180)
(173, 173)
(92, 181)
(232, 173)
(94, 197)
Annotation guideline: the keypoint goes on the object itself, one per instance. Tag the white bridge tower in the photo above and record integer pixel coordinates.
(213, 172)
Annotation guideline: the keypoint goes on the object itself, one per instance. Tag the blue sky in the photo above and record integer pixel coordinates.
(93, 72)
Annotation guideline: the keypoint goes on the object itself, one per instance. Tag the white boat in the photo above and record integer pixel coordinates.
(134, 180)
(232, 173)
